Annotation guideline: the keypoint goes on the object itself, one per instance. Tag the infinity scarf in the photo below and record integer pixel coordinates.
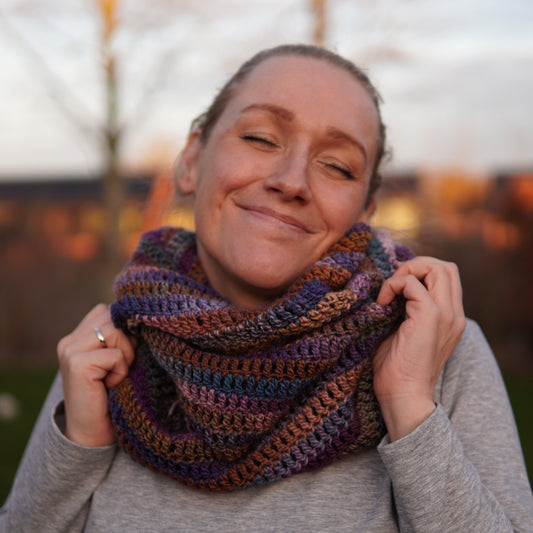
(222, 398)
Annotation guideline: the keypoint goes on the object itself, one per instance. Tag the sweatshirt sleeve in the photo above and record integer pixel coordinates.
(462, 469)
(56, 478)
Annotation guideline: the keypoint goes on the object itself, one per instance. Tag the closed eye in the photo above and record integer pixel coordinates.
(258, 140)
(341, 170)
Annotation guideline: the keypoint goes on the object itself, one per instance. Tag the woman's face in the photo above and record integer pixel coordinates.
(283, 175)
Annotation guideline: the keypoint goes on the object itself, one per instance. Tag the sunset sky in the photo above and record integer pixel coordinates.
(456, 76)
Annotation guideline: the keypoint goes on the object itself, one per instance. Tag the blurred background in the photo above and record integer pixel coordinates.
(96, 98)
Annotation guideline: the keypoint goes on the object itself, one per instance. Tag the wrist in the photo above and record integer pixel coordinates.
(404, 415)
(96, 438)
(89, 441)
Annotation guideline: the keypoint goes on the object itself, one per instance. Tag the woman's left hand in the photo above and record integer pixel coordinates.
(407, 364)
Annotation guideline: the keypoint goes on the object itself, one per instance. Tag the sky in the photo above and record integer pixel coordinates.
(456, 76)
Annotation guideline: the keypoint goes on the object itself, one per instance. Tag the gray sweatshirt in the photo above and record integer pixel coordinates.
(461, 470)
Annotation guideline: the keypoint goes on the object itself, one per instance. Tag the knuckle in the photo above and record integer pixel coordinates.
(63, 345)
(460, 324)
(101, 308)
(453, 268)
(112, 337)
(402, 268)
(456, 327)
(411, 278)
(60, 348)
(73, 363)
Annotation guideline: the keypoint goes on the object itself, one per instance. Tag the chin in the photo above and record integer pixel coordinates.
(273, 284)
(263, 288)
(268, 275)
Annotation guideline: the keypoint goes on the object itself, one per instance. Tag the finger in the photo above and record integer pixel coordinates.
(456, 287)
(109, 366)
(444, 283)
(444, 286)
(408, 286)
(459, 320)
(435, 276)
(433, 273)
(116, 338)
(118, 371)
(97, 311)
(100, 320)
(88, 341)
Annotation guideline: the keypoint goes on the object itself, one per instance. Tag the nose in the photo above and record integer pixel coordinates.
(290, 179)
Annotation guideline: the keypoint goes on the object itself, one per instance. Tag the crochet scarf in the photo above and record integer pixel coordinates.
(222, 398)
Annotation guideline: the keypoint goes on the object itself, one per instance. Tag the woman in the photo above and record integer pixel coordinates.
(285, 368)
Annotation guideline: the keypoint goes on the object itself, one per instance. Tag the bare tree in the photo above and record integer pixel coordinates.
(112, 135)
(106, 132)
(319, 30)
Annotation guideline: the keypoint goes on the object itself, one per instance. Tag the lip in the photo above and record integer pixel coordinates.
(285, 219)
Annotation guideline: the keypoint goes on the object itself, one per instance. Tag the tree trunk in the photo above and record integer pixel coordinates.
(112, 176)
(319, 31)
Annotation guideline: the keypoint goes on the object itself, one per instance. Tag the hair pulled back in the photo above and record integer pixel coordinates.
(207, 120)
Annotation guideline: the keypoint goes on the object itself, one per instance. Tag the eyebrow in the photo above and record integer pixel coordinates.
(339, 135)
(279, 111)
(285, 114)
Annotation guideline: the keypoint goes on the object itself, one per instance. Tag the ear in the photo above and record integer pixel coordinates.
(186, 165)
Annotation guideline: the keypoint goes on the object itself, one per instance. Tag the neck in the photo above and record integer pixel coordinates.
(237, 291)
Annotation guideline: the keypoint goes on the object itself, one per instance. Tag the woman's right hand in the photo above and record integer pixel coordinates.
(88, 370)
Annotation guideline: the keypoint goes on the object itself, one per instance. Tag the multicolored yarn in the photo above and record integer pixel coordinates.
(222, 398)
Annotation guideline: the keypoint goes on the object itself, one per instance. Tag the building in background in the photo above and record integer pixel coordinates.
(52, 268)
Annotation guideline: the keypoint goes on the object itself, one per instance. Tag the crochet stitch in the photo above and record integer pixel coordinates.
(222, 398)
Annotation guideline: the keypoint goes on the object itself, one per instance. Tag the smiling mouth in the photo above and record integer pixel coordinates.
(287, 220)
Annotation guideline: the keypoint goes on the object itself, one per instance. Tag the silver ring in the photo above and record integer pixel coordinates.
(100, 337)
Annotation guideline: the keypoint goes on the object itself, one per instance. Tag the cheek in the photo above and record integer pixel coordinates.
(222, 174)
(218, 179)
(343, 208)
(211, 185)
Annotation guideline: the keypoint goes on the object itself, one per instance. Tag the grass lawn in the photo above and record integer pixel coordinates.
(520, 391)
(29, 387)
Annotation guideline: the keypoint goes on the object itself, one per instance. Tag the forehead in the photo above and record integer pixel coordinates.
(313, 88)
